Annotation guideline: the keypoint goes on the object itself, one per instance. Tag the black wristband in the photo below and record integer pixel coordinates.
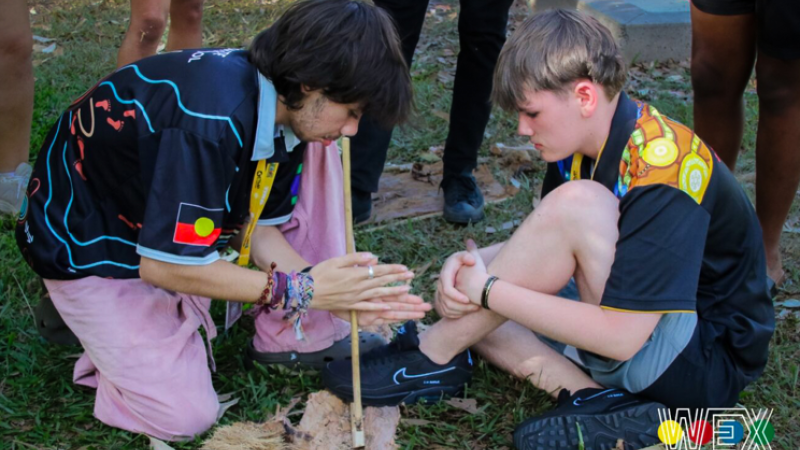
(307, 269)
(486, 288)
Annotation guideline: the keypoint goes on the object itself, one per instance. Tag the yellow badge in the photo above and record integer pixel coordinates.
(694, 176)
(660, 152)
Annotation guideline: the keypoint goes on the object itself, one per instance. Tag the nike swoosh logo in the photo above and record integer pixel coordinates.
(405, 376)
(580, 401)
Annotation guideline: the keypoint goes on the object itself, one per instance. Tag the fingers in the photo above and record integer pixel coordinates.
(452, 309)
(383, 292)
(448, 290)
(381, 270)
(387, 279)
(355, 259)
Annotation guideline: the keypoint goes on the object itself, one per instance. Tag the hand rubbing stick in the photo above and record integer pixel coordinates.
(356, 413)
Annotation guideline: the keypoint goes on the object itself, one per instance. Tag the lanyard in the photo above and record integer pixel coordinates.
(262, 187)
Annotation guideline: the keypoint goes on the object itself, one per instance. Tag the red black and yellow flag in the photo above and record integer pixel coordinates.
(197, 225)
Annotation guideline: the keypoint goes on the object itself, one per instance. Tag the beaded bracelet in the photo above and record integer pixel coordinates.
(266, 294)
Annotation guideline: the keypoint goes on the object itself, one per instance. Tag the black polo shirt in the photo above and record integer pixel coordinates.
(156, 160)
(689, 239)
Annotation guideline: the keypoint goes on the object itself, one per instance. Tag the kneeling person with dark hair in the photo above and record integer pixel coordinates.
(660, 239)
(152, 171)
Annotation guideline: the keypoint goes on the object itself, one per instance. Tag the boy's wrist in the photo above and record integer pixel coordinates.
(476, 289)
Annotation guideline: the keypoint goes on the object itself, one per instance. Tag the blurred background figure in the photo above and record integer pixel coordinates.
(16, 98)
(729, 38)
(149, 21)
(481, 34)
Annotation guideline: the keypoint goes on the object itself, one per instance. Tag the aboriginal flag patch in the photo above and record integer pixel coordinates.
(197, 225)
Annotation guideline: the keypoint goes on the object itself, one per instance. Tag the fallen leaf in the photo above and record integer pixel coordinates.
(790, 303)
(156, 444)
(43, 40)
(469, 405)
(491, 230)
(442, 115)
(507, 226)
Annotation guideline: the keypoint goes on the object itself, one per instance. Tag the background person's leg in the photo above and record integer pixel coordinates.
(572, 232)
(16, 97)
(185, 24)
(723, 53)
(482, 33)
(777, 151)
(148, 23)
(371, 145)
(16, 84)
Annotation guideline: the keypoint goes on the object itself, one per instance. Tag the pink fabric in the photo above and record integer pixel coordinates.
(143, 354)
(317, 232)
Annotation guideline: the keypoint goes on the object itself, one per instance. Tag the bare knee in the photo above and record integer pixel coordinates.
(778, 86)
(573, 201)
(187, 12)
(148, 27)
(713, 78)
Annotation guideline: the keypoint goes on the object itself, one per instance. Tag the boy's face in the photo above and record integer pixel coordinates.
(321, 120)
(554, 122)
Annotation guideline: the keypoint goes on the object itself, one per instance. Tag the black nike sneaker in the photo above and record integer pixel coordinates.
(597, 417)
(399, 373)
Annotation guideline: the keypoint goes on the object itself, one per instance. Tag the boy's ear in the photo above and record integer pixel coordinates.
(586, 94)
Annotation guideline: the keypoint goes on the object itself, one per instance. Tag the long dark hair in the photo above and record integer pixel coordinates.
(348, 49)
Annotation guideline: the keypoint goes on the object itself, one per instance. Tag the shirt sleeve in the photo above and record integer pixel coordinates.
(285, 190)
(186, 200)
(662, 235)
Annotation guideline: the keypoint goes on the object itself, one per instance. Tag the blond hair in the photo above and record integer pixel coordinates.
(551, 50)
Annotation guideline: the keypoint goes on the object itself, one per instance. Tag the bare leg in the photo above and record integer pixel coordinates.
(723, 52)
(16, 85)
(185, 24)
(572, 233)
(148, 23)
(777, 151)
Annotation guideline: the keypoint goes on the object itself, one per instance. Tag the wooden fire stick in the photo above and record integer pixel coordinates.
(356, 412)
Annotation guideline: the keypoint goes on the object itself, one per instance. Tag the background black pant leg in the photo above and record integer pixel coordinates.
(482, 33)
(371, 144)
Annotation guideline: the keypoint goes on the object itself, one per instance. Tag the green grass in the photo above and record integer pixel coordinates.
(41, 408)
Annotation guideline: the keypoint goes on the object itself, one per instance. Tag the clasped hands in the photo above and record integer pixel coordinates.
(461, 283)
(358, 282)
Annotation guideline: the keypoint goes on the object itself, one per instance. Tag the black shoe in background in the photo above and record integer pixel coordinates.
(463, 199)
(362, 205)
(399, 373)
(604, 417)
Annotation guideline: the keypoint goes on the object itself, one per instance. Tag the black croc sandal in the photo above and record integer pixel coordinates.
(339, 351)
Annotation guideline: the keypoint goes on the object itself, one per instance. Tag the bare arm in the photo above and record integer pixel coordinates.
(269, 245)
(613, 334)
(220, 279)
(490, 252)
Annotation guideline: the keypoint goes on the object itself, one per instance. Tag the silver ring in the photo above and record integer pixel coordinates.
(371, 272)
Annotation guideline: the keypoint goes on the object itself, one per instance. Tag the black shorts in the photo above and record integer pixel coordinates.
(778, 22)
(704, 375)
